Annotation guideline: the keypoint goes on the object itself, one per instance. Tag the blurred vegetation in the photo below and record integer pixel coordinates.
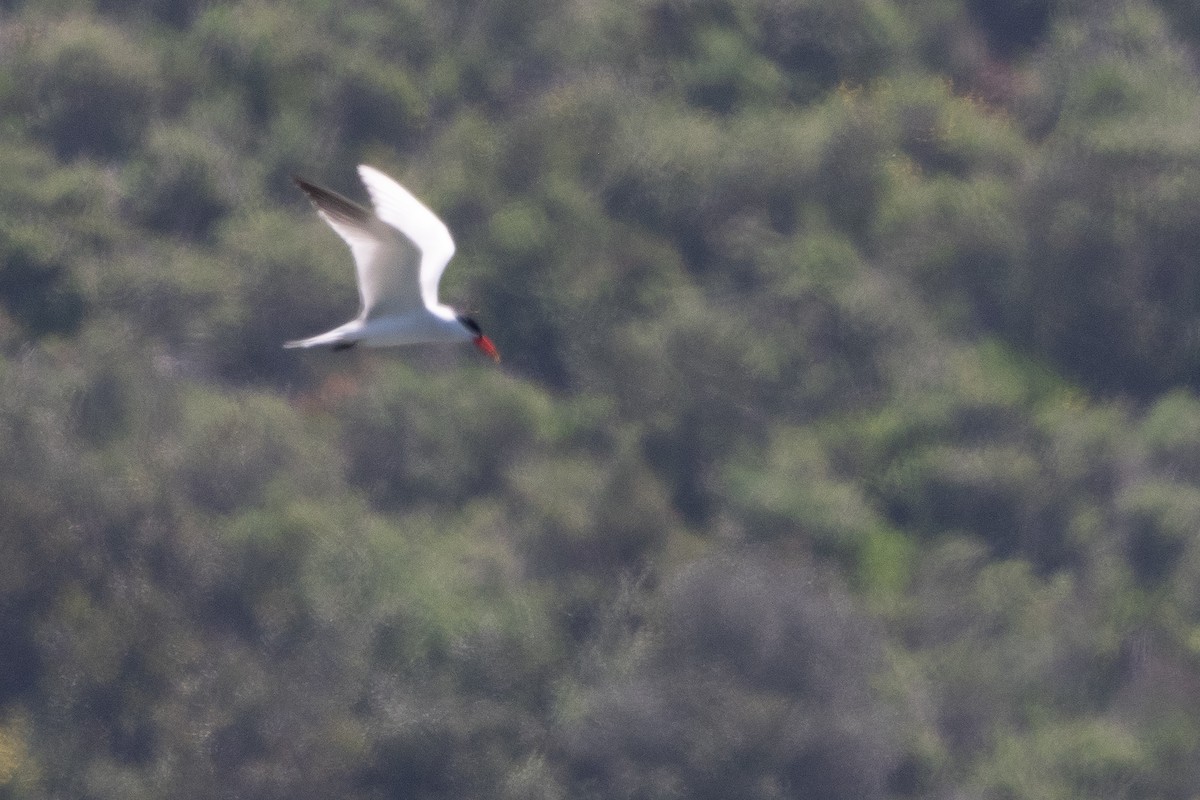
(847, 442)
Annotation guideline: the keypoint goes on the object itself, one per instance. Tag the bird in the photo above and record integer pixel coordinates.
(400, 251)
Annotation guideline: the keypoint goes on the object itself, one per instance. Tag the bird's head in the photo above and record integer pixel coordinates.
(481, 341)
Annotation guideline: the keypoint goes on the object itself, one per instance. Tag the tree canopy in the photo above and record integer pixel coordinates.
(847, 442)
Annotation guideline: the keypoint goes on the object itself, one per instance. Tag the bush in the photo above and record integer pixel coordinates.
(726, 698)
(37, 287)
(88, 87)
(181, 185)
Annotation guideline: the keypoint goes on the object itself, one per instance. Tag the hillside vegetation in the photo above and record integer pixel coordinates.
(846, 445)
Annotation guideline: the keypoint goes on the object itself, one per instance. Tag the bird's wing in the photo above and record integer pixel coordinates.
(396, 206)
(388, 265)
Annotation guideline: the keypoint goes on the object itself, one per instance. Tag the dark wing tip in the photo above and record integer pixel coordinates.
(332, 203)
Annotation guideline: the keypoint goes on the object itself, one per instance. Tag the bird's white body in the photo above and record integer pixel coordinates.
(400, 252)
(438, 324)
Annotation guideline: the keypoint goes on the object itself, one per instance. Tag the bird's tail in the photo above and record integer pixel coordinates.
(338, 339)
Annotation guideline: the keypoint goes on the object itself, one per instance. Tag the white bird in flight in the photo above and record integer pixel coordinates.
(400, 252)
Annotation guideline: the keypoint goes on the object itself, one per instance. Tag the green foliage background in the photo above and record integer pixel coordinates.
(847, 443)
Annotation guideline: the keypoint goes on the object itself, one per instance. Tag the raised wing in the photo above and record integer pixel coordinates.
(387, 264)
(396, 206)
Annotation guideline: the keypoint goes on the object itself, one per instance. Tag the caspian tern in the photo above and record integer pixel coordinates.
(400, 252)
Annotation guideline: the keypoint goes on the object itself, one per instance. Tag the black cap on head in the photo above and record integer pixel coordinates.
(470, 324)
